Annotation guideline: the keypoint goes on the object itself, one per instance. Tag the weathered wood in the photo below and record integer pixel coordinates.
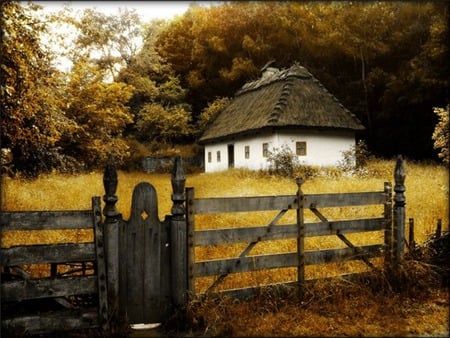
(260, 203)
(343, 199)
(411, 241)
(147, 256)
(46, 220)
(438, 232)
(52, 322)
(300, 238)
(178, 237)
(112, 223)
(190, 222)
(249, 247)
(100, 263)
(19, 290)
(51, 253)
(288, 231)
(399, 211)
(243, 204)
(388, 231)
(273, 261)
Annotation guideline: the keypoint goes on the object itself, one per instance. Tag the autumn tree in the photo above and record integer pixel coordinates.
(161, 115)
(32, 122)
(101, 114)
(441, 133)
(386, 62)
(109, 41)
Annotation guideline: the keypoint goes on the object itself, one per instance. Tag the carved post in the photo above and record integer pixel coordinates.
(111, 233)
(300, 239)
(399, 211)
(178, 236)
(388, 225)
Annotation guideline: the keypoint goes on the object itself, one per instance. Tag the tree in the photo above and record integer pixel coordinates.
(32, 122)
(109, 41)
(441, 133)
(386, 62)
(158, 103)
(101, 114)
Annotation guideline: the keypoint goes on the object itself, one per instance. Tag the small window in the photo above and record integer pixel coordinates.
(209, 157)
(247, 152)
(300, 148)
(265, 149)
(218, 156)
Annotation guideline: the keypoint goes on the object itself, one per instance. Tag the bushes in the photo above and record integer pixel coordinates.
(286, 164)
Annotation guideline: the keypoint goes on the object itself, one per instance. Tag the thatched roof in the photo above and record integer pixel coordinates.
(288, 98)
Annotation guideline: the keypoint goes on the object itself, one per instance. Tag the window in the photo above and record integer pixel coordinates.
(218, 156)
(265, 149)
(300, 148)
(209, 157)
(247, 152)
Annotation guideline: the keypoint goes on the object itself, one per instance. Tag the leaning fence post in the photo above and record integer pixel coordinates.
(300, 239)
(399, 211)
(111, 234)
(178, 236)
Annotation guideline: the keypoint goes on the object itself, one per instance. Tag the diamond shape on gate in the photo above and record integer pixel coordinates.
(144, 215)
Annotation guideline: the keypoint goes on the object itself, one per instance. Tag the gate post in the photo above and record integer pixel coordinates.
(300, 239)
(178, 237)
(111, 233)
(399, 211)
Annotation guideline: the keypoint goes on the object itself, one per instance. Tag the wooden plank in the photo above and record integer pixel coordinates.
(19, 290)
(288, 231)
(260, 203)
(243, 204)
(263, 262)
(101, 263)
(344, 199)
(46, 220)
(52, 322)
(54, 253)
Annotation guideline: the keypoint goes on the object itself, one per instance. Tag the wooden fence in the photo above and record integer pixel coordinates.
(273, 231)
(75, 297)
(144, 267)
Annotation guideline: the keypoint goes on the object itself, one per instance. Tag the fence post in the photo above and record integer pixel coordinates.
(300, 239)
(438, 229)
(178, 236)
(111, 233)
(411, 241)
(399, 211)
(388, 224)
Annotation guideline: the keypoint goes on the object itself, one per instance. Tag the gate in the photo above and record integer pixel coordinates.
(144, 260)
(143, 268)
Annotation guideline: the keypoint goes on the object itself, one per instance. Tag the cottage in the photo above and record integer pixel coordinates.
(284, 108)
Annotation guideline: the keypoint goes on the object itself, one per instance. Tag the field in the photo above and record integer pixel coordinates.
(331, 308)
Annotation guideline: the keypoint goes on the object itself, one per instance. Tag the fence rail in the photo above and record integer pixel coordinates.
(300, 230)
(19, 287)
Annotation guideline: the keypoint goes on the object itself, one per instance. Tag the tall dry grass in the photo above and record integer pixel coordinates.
(426, 198)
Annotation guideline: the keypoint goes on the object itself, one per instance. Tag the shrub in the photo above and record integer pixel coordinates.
(440, 134)
(355, 159)
(282, 162)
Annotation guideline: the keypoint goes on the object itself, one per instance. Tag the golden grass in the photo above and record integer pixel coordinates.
(426, 198)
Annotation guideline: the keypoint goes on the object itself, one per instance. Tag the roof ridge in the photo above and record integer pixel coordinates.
(274, 75)
(282, 101)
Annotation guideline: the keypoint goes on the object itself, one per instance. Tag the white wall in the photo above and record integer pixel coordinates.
(324, 148)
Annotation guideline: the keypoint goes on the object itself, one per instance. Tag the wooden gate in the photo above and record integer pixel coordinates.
(142, 264)
(144, 260)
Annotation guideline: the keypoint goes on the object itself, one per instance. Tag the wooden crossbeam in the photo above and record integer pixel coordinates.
(249, 247)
